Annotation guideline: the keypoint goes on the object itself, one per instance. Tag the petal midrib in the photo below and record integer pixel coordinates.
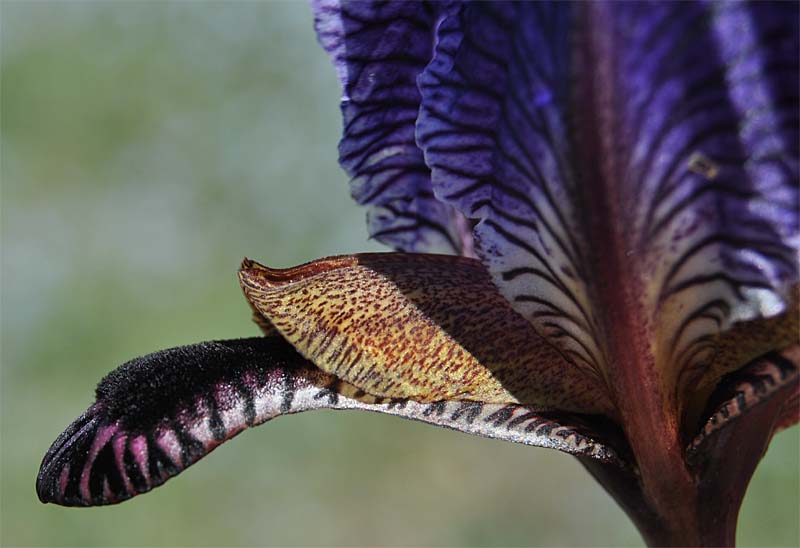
(647, 404)
(616, 286)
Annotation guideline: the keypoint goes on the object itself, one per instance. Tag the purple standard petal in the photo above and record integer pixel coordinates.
(379, 50)
(634, 167)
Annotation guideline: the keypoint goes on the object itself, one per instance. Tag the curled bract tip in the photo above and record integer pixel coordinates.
(257, 276)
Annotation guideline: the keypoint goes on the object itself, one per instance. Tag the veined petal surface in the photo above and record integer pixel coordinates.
(159, 414)
(774, 376)
(379, 49)
(634, 167)
(421, 327)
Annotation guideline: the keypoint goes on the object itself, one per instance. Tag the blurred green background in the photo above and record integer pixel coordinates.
(146, 148)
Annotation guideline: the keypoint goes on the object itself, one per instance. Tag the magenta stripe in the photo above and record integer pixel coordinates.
(138, 447)
(119, 457)
(102, 437)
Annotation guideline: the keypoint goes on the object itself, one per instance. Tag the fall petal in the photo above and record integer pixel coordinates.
(730, 445)
(774, 378)
(378, 50)
(422, 327)
(738, 346)
(634, 167)
(161, 413)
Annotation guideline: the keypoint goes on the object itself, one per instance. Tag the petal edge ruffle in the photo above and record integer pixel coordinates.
(378, 50)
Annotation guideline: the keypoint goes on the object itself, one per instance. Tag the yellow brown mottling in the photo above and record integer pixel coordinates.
(424, 327)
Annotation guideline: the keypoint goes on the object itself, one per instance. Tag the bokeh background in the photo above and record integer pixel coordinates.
(146, 148)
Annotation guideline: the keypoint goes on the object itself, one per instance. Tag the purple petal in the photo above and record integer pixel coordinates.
(161, 413)
(378, 50)
(634, 166)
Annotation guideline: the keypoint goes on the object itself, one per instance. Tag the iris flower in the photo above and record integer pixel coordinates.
(594, 209)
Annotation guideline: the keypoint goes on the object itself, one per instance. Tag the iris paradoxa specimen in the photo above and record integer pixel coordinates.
(621, 181)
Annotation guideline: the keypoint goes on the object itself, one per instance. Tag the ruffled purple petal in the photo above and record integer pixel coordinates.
(379, 50)
(634, 166)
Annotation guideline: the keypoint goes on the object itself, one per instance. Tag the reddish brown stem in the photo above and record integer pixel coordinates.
(693, 503)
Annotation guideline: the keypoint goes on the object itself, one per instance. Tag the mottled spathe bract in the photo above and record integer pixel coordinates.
(619, 184)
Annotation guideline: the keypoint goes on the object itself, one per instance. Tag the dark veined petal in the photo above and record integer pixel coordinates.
(378, 50)
(774, 378)
(158, 414)
(635, 168)
(751, 406)
(492, 128)
(739, 345)
(423, 327)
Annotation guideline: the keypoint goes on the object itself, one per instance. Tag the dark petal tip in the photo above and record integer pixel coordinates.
(158, 414)
(61, 471)
(95, 462)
